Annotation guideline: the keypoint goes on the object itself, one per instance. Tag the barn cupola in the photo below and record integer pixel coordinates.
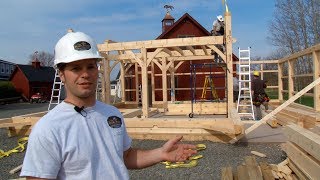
(168, 20)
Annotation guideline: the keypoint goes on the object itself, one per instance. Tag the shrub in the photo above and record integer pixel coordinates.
(7, 90)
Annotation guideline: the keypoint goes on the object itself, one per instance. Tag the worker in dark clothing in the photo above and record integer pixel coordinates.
(259, 95)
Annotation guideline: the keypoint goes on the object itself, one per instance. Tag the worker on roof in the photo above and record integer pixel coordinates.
(259, 95)
(218, 26)
(82, 138)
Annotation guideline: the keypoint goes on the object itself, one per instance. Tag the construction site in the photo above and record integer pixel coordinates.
(184, 86)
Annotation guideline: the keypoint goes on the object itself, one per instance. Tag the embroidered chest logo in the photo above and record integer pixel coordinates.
(114, 121)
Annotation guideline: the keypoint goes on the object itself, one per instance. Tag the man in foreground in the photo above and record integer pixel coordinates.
(82, 138)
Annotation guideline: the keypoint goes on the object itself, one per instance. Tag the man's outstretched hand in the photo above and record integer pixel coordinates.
(174, 151)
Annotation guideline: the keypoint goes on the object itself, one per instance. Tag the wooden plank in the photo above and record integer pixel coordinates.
(222, 126)
(305, 139)
(226, 173)
(266, 171)
(14, 124)
(272, 122)
(301, 53)
(242, 172)
(130, 113)
(278, 109)
(306, 163)
(297, 171)
(253, 168)
(16, 169)
(258, 154)
(192, 41)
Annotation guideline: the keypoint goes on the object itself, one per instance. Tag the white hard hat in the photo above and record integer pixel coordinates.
(220, 18)
(75, 46)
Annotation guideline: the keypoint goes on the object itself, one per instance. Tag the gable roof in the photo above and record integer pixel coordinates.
(181, 20)
(41, 74)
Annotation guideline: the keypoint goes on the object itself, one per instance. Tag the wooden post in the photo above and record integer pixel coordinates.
(153, 83)
(164, 84)
(136, 80)
(290, 78)
(144, 79)
(280, 81)
(123, 84)
(316, 71)
(103, 84)
(173, 88)
(228, 44)
(106, 69)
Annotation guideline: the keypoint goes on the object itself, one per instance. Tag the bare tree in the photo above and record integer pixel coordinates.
(295, 27)
(45, 58)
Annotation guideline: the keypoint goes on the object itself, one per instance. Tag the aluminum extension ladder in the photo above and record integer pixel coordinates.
(245, 104)
(56, 91)
(209, 81)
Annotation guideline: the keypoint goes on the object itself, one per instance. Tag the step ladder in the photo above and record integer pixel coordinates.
(56, 91)
(244, 104)
(209, 81)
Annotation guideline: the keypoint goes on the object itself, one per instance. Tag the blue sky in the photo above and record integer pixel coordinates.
(36, 25)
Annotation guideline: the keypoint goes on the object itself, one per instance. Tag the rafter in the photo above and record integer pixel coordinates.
(166, 50)
(190, 48)
(178, 50)
(204, 50)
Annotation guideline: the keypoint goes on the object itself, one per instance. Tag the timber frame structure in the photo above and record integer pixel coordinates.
(163, 53)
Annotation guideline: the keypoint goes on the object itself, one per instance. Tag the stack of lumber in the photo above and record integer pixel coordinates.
(251, 170)
(298, 114)
(303, 151)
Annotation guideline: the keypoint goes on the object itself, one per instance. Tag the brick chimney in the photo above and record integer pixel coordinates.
(167, 22)
(36, 63)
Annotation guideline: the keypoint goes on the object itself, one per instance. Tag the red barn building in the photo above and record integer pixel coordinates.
(189, 78)
(31, 79)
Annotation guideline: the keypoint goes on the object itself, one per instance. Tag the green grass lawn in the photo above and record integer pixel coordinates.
(305, 100)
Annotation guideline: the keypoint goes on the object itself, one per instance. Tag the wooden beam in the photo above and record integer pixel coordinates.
(123, 87)
(224, 126)
(204, 50)
(133, 56)
(226, 173)
(145, 91)
(191, 49)
(131, 113)
(229, 60)
(304, 138)
(280, 82)
(218, 51)
(153, 55)
(253, 168)
(301, 53)
(192, 41)
(306, 163)
(316, 74)
(178, 50)
(164, 84)
(279, 108)
(14, 124)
